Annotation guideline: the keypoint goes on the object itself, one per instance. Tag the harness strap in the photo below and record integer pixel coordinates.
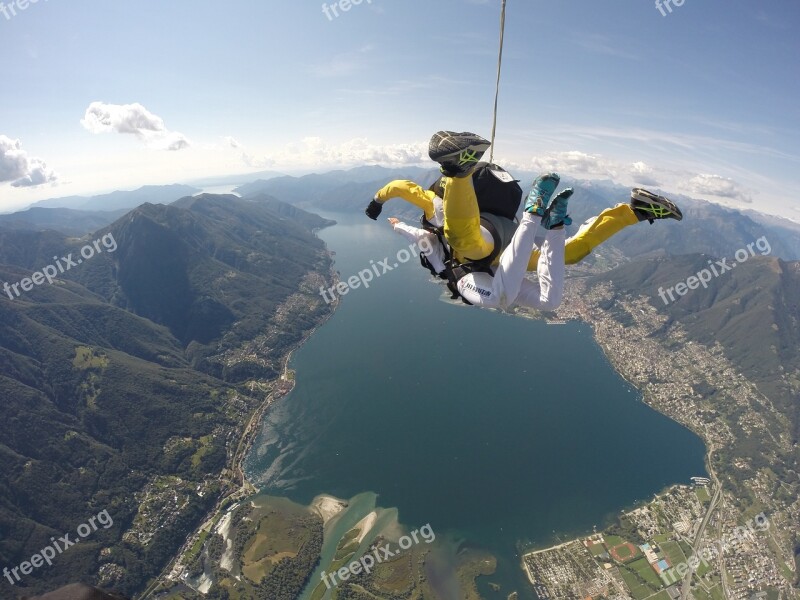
(455, 270)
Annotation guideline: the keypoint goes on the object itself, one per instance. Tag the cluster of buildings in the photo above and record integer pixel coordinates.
(566, 572)
(656, 558)
(736, 561)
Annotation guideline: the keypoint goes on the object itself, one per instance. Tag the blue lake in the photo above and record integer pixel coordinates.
(502, 431)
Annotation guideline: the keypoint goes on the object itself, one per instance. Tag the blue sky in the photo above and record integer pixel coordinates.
(702, 101)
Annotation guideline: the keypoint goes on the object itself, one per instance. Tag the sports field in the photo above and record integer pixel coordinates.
(641, 579)
(624, 552)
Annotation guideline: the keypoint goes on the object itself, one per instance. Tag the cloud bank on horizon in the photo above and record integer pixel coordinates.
(313, 153)
(676, 104)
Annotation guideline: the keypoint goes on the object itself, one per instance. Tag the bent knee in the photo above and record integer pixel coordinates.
(552, 302)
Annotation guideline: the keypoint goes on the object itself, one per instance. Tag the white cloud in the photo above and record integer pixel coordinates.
(580, 165)
(715, 185)
(316, 153)
(133, 119)
(574, 164)
(643, 174)
(19, 169)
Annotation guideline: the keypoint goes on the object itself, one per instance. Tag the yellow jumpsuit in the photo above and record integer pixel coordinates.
(462, 220)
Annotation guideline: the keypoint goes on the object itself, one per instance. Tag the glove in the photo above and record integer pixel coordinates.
(374, 210)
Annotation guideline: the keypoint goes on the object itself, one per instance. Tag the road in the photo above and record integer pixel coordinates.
(687, 580)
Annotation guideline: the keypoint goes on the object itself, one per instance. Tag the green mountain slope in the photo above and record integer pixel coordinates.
(751, 311)
(127, 382)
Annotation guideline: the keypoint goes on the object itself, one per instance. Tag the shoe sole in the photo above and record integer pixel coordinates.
(458, 154)
(670, 210)
(564, 197)
(469, 155)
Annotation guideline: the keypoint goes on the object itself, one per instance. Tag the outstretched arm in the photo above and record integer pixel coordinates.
(412, 234)
(410, 192)
(425, 241)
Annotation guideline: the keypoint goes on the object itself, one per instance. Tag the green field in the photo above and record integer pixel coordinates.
(646, 572)
(674, 552)
(638, 590)
(717, 593)
(624, 552)
(702, 495)
(641, 579)
(703, 568)
(196, 547)
(613, 540)
(701, 594)
(280, 534)
(707, 589)
(675, 555)
(660, 539)
(597, 549)
(348, 550)
(350, 536)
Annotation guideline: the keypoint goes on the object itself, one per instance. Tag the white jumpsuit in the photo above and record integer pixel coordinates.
(508, 286)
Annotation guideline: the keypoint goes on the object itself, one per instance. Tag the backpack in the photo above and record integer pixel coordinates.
(497, 191)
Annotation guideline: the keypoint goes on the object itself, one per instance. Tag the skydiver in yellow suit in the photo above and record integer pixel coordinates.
(458, 153)
(503, 285)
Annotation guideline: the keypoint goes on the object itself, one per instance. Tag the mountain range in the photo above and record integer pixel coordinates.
(128, 381)
(155, 194)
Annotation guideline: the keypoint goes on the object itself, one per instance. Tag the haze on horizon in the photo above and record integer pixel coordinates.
(700, 101)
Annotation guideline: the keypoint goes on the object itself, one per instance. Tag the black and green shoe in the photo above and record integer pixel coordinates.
(458, 153)
(649, 206)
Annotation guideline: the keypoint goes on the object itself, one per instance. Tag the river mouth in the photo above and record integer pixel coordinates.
(500, 431)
